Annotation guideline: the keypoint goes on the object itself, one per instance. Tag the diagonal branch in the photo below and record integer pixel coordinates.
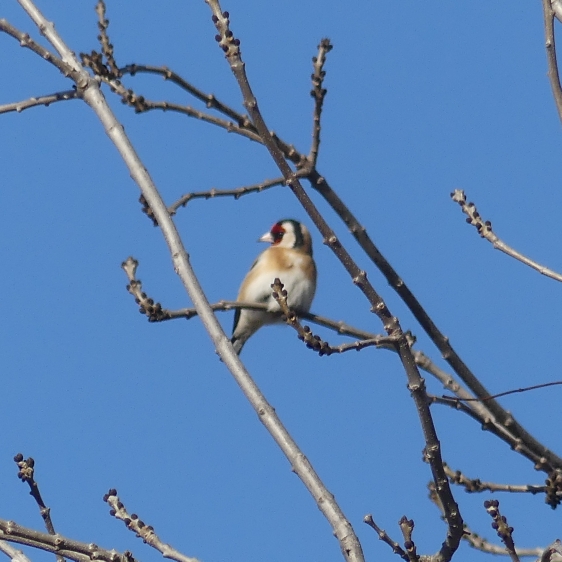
(230, 46)
(544, 458)
(26, 41)
(182, 266)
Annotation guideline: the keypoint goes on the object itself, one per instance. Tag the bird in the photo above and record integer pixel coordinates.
(290, 259)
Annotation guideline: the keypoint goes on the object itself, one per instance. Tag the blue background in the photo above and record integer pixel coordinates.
(422, 98)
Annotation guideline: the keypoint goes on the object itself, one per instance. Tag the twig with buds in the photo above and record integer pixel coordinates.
(484, 228)
(313, 341)
(143, 531)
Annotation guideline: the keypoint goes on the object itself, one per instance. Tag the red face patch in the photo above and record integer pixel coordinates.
(277, 232)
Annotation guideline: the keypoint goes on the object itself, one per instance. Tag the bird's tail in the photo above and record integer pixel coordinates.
(237, 343)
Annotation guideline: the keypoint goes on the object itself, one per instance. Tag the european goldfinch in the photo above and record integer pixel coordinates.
(290, 258)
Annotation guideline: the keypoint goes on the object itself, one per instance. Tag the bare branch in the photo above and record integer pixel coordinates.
(483, 545)
(230, 46)
(475, 485)
(181, 264)
(156, 313)
(313, 341)
(484, 228)
(501, 527)
(499, 416)
(210, 101)
(475, 408)
(550, 9)
(20, 106)
(318, 93)
(106, 46)
(478, 542)
(236, 193)
(14, 554)
(26, 41)
(143, 105)
(407, 528)
(57, 544)
(383, 536)
(26, 473)
(145, 532)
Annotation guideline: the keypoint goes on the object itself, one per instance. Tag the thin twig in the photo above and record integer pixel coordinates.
(507, 392)
(210, 101)
(483, 545)
(549, 12)
(313, 341)
(26, 473)
(475, 485)
(26, 41)
(142, 105)
(383, 536)
(504, 531)
(484, 228)
(106, 46)
(407, 528)
(143, 531)
(236, 193)
(318, 93)
(20, 106)
(476, 541)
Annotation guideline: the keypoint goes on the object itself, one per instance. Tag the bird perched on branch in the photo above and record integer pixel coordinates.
(290, 258)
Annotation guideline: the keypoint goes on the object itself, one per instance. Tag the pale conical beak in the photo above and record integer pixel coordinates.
(267, 237)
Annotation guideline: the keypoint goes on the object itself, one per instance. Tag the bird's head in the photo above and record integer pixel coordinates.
(289, 233)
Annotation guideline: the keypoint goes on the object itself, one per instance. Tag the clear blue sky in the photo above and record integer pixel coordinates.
(422, 98)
